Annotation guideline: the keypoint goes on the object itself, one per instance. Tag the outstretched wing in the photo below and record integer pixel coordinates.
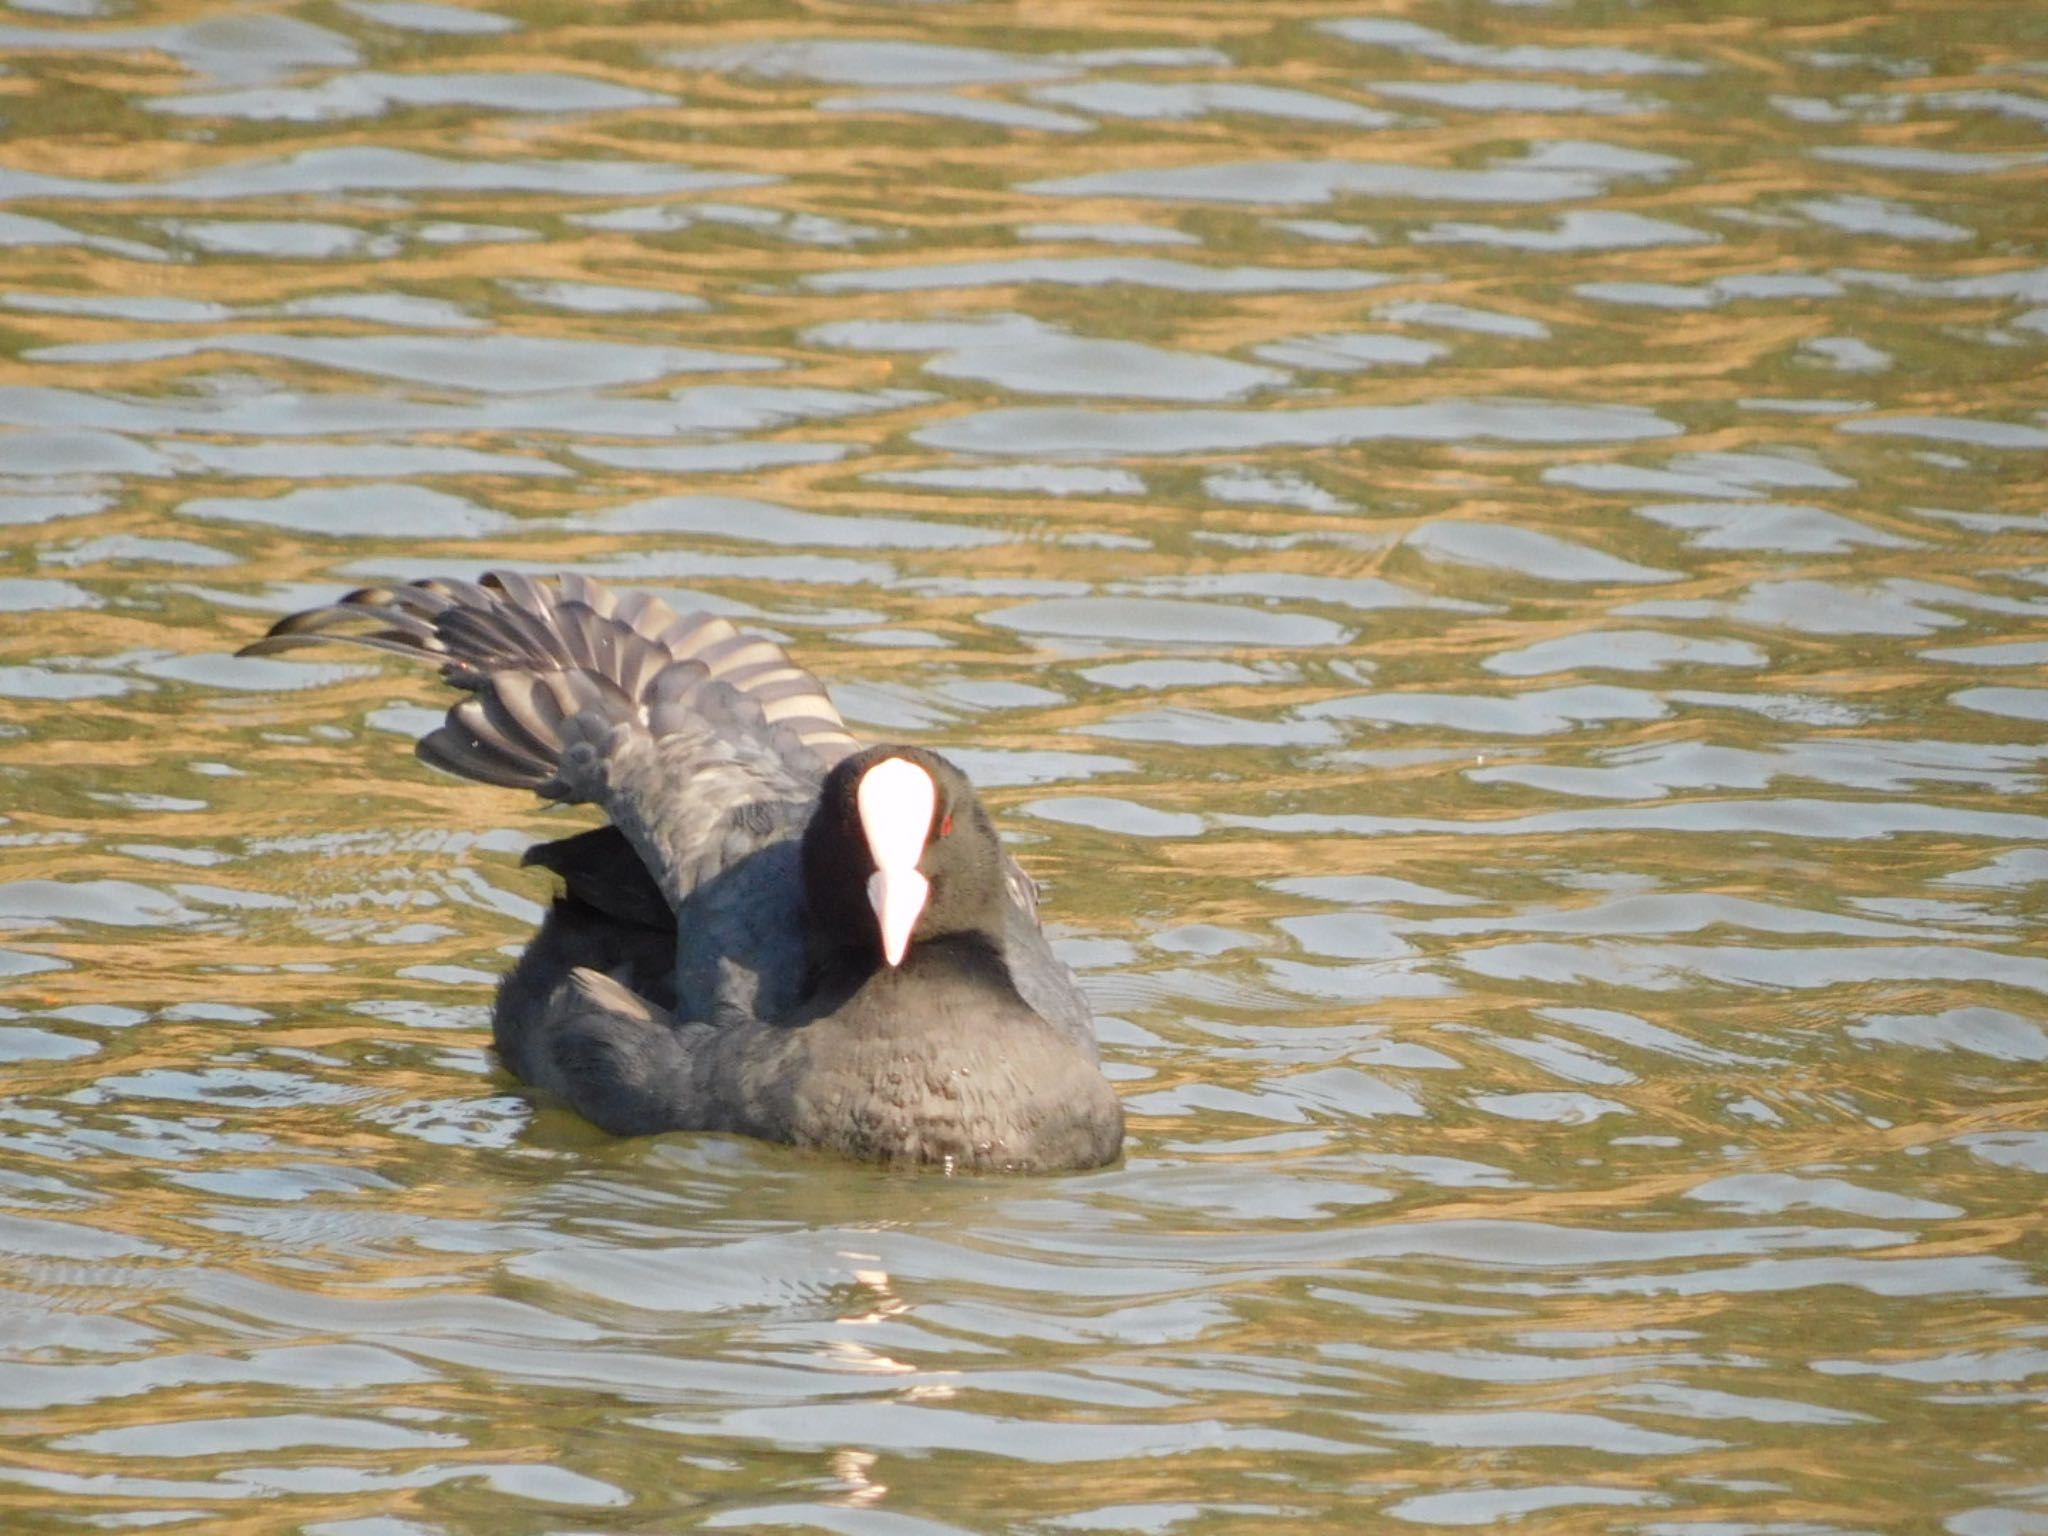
(699, 742)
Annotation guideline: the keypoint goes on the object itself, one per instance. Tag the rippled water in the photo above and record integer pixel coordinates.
(1492, 558)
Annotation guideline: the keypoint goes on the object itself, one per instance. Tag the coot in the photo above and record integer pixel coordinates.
(779, 933)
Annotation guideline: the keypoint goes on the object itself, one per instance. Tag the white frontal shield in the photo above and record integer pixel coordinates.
(895, 800)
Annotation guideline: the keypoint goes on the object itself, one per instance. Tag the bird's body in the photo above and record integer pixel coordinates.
(779, 934)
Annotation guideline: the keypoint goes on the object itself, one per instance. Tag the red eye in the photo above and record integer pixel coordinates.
(946, 826)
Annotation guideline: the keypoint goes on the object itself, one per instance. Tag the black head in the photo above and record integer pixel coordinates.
(876, 801)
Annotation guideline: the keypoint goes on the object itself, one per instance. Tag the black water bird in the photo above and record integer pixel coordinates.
(780, 933)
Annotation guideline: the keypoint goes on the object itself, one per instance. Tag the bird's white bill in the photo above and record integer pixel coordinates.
(898, 897)
(895, 800)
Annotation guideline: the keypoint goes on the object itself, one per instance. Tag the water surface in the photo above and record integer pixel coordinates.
(1491, 557)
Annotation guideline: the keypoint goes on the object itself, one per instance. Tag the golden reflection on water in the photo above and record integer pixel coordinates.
(1577, 996)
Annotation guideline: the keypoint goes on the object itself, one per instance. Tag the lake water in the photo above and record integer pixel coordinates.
(1492, 558)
